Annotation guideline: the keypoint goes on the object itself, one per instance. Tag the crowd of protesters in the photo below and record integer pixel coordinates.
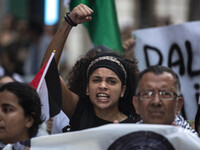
(101, 85)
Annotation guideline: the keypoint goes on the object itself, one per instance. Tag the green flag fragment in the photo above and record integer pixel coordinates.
(104, 28)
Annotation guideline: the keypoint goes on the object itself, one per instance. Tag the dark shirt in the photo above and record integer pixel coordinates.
(84, 118)
(98, 121)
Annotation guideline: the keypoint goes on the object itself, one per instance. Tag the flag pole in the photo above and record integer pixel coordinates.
(45, 70)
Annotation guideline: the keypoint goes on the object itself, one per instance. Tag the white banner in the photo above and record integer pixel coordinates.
(101, 138)
(178, 47)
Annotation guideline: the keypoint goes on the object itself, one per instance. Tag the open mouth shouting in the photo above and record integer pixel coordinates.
(103, 98)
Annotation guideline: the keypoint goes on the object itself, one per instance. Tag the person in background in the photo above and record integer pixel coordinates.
(99, 87)
(6, 79)
(8, 30)
(158, 98)
(11, 62)
(20, 113)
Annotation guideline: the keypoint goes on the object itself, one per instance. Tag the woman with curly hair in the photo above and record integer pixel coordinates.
(100, 85)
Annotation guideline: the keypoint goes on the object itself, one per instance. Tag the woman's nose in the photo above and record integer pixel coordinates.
(103, 85)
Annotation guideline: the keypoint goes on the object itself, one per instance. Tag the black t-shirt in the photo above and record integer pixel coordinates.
(98, 121)
(84, 117)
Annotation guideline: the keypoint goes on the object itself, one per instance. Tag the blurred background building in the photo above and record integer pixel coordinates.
(26, 19)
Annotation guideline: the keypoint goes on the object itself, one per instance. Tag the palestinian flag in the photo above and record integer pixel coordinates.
(103, 28)
(47, 84)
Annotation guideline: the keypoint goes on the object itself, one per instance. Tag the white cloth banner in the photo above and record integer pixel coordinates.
(178, 47)
(101, 138)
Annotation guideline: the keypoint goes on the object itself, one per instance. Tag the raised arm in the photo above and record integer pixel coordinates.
(79, 14)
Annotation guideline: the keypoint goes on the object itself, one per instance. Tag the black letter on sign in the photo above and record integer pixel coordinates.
(146, 48)
(190, 58)
(180, 61)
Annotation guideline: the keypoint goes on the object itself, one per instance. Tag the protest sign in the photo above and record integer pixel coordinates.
(100, 138)
(178, 47)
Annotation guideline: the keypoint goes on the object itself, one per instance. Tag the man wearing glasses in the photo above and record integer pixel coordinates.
(158, 97)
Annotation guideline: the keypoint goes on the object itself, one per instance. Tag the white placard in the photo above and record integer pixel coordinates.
(178, 47)
(102, 137)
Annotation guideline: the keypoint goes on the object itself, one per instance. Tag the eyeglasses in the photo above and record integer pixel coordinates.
(163, 95)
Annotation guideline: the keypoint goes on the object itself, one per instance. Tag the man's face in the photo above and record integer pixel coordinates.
(155, 110)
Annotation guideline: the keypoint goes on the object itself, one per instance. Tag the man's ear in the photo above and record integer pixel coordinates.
(179, 104)
(135, 104)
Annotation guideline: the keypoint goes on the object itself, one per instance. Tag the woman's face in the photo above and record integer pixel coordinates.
(105, 89)
(14, 126)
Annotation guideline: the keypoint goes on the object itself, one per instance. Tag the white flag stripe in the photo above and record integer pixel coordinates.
(43, 92)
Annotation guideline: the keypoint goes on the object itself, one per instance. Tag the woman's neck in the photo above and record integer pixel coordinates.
(24, 136)
(110, 115)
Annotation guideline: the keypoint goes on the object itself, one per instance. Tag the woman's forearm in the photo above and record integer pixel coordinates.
(57, 42)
